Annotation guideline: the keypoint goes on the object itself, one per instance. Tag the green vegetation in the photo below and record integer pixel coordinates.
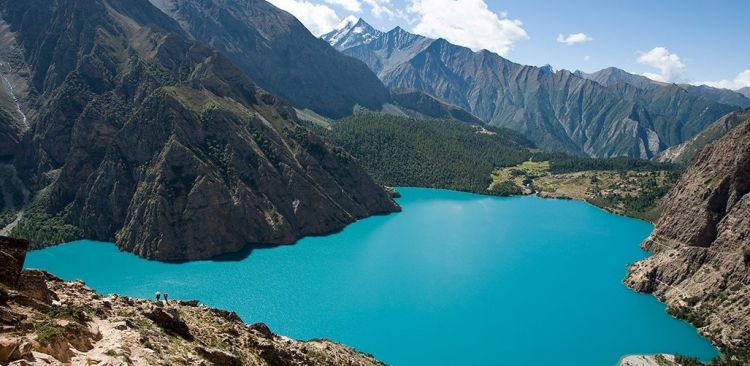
(638, 193)
(629, 192)
(402, 151)
(691, 316)
(719, 361)
(7, 216)
(521, 175)
(560, 163)
(308, 115)
(68, 312)
(46, 331)
(41, 228)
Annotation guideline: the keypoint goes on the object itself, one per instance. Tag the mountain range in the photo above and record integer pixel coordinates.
(609, 113)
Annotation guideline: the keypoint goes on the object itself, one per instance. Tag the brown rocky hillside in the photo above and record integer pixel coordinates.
(701, 245)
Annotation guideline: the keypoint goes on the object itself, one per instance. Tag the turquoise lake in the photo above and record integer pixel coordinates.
(455, 279)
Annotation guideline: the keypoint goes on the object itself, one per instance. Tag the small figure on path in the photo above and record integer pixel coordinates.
(158, 295)
(166, 297)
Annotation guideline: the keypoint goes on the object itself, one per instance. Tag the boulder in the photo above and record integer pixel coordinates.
(33, 283)
(82, 336)
(169, 320)
(227, 315)
(56, 346)
(218, 357)
(262, 329)
(12, 349)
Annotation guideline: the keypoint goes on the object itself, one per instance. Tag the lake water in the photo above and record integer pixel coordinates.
(455, 279)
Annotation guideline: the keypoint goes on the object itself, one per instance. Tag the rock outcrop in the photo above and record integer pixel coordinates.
(701, 245)
(158, 142)
(77, 326)
(648, 360)
(12, 258)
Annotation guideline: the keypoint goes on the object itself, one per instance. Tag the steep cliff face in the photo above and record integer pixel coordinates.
(701, 243)
(559, 111)
(16, 99)
(280, 54)
(46, 321)
(10, 132)
(161, 144)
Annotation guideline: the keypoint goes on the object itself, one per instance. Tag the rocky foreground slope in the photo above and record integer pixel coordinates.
(47, 321)
(701, 245)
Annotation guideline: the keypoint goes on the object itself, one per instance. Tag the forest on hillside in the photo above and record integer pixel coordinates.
(449, 154)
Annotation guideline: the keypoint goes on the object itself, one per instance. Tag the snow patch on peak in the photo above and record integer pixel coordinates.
(348, 22)
(351, 32)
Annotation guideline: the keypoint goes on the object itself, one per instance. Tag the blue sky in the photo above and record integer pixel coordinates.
(681, 41)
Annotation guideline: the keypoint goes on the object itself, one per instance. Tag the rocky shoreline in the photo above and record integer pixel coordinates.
(47, 321)
(701, 246)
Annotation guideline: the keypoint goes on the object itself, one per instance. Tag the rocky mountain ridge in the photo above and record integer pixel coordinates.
(159, 143)
(278, 53)
(701, 245)
(684, 152)
(745, 91)
(612, 76)
(558, 111)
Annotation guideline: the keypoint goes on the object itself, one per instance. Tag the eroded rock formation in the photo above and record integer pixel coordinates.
(701, 245)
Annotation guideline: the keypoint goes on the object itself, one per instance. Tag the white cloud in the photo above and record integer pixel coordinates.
(347, 22)
(586, 58)
(574, 38)
(318, 18)
(742, 80)
(468, 23)
(378, 8)
(670, 67)
(349, 5)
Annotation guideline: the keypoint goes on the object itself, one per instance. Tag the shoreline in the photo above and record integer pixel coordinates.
(481, 196)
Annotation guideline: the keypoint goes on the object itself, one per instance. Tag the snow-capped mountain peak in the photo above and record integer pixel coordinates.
(351, 32)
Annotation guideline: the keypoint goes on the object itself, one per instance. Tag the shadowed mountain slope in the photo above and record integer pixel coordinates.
(160, 143)
(275, 50)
